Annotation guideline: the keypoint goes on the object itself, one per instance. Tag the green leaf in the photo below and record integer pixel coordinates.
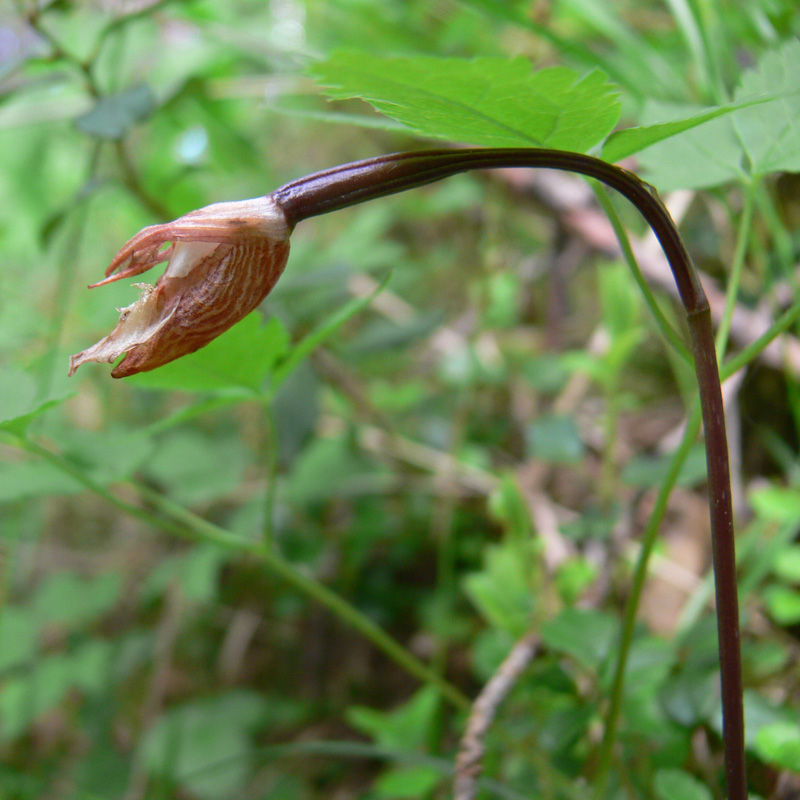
(297, 106)
(408, 782)
(647, 472)
(69, 599)
(113, 116)
(495, 102)
(196, 467)
(19, 634)
(761, 138)
(239, 359)
(502, 590)
(109, 455)
(405, 727)
(24, 698)
(705, 156)
(760, 713)
(783, 604)
(19, 405)
(675, 784)
(91, 665)
(787, 564)
(624, 143)
(205, 744)
(585, 634)
(776, 503)
(555, 438)
(196, 571)
(327, 468)
(779, 744)
(690, 698)
(20, 481)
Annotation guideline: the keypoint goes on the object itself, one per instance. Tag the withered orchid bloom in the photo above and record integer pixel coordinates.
(223, 260)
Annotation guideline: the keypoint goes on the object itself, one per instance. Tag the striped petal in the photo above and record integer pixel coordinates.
(223, 261)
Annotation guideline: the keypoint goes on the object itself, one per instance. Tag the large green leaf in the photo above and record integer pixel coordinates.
(495, 102)
(762, 137)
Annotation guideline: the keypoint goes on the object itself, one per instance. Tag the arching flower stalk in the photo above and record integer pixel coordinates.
(226, 257)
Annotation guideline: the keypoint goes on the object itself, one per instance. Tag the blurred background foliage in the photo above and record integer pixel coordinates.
(282, 570)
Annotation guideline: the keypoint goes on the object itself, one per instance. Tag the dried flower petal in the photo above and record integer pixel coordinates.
(223, 261)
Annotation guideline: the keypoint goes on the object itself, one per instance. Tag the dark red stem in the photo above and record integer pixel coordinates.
(360, 181)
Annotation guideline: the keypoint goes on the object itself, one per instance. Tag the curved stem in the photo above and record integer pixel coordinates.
(360, 181)
(667, 331)
(350, 184)
(735, 279)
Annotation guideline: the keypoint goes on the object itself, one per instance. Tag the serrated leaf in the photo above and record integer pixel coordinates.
(113, 116)
(239, 359)
(761, 138)
(298, 107)
(625, 143)
(495, 102)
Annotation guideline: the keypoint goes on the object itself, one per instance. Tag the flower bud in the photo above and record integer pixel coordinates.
(223, 261)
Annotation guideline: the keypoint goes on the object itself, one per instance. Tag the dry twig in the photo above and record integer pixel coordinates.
(484, 709)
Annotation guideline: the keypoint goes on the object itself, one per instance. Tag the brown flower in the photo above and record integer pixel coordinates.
(223, 260)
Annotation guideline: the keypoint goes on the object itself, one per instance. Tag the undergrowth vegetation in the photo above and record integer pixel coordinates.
(284, 566)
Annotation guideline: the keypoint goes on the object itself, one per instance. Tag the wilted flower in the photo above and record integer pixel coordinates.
(223, 260)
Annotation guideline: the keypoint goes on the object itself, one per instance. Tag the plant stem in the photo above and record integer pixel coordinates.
(350, 184)
(751, 352)
(309, 587)
(735, 279)
(135, 186)
(723, 547)
(779, 232)
(667, 331)
(184, 523)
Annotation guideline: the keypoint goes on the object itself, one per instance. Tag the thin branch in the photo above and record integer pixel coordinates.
(473, 745)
